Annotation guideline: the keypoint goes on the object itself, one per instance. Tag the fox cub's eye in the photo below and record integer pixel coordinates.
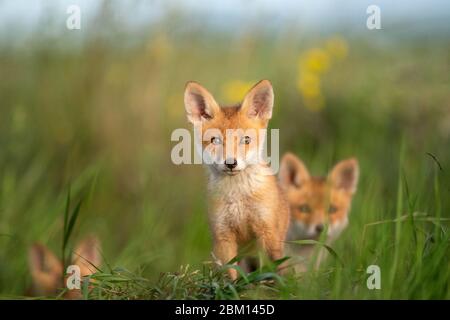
(246, 140)
(216, 140)
(332, 209)
(304, 208)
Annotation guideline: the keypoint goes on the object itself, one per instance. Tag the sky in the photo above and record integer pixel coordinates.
(18, 17)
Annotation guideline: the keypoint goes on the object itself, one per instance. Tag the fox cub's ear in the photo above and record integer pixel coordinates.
(87, 255)
(46, 269)
(199, 103)
(345, 175)
(293, 173)
(258, 102)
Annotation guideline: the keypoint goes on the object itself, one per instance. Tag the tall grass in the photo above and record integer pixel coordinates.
(99, 118)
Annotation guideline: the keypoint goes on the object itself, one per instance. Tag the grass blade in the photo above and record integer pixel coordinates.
(314, 242)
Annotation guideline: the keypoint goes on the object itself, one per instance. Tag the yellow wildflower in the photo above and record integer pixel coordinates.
(315, 60)
(309, 84)
(314, 103)
(235, 90)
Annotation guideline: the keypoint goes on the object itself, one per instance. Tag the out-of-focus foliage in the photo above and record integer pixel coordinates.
(99, 115)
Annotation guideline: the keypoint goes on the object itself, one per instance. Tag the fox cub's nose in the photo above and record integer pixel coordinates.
(319, 228)
(231, 163)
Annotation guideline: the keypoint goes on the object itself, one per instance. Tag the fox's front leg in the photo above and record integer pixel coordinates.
(225, 249)
(273, 245)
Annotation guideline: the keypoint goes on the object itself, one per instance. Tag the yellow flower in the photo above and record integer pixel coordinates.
(314, 103)
(235, 90)
(314, 60)
(337, 47)
(309, 84)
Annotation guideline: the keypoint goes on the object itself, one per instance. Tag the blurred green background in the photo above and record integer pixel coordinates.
(94, 109)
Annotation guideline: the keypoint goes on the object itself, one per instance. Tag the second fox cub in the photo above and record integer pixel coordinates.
(317, 203)
(246, 202)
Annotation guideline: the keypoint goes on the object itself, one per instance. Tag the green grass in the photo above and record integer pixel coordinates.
(99, 118)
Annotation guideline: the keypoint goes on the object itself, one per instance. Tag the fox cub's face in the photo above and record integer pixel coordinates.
(229, 138)
(316, 202)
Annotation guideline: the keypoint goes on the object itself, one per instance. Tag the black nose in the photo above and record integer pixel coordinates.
(231, 163)
(319, 228)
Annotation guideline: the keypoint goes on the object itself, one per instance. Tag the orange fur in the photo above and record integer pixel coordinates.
(317, 202)
(246, 202)
(47, 270)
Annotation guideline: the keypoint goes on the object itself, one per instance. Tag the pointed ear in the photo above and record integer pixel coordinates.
(258, 102)
(345, 175)
(293, 173)
(87, 255)
(199, 103)
(46, 269)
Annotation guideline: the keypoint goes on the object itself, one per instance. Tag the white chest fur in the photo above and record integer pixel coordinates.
(236, 199)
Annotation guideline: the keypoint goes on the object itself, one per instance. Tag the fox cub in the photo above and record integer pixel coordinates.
(246, 202)
(47, 270)
(317, 203)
